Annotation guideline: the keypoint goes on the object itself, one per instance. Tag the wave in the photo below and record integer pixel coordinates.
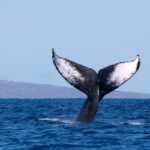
(134, 123)
(66, 121)
(57, 120)
(125, 122)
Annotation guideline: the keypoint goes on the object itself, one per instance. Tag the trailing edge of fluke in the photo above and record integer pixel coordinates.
(94, 85)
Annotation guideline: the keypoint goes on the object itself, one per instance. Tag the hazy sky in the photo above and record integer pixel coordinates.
(95, 33)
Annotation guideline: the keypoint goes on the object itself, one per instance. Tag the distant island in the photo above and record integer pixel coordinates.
(21, 90)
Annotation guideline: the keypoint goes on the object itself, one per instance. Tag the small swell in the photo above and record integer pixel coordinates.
(134, 123)
(57, 120)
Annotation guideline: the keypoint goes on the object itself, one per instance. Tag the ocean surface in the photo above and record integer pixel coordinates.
(48, 124)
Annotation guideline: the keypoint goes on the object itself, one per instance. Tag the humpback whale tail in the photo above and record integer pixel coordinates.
(94, 85)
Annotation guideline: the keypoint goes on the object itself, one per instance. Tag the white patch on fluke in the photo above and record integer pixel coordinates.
(124, 71)
(67, 70)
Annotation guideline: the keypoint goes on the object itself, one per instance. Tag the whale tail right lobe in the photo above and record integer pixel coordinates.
(113, 76)
(94, 85)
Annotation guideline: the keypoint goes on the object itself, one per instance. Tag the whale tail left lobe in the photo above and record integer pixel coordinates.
(79, 76)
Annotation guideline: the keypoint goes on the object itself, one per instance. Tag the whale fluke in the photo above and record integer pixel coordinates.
(94, 85)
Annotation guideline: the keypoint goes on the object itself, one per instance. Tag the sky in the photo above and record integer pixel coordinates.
(95, 33)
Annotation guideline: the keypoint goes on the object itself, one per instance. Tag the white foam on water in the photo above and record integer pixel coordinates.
(136, 123)
(57, 120)
(129, 122)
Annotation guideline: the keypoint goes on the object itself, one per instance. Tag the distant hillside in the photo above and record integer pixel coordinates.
(12, 89)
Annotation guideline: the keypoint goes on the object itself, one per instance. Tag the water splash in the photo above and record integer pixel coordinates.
(134, 123)
(58, 120)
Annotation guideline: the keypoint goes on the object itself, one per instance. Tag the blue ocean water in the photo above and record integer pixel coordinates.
(48, 124)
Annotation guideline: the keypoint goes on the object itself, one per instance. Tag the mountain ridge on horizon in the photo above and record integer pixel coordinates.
(27, 90)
